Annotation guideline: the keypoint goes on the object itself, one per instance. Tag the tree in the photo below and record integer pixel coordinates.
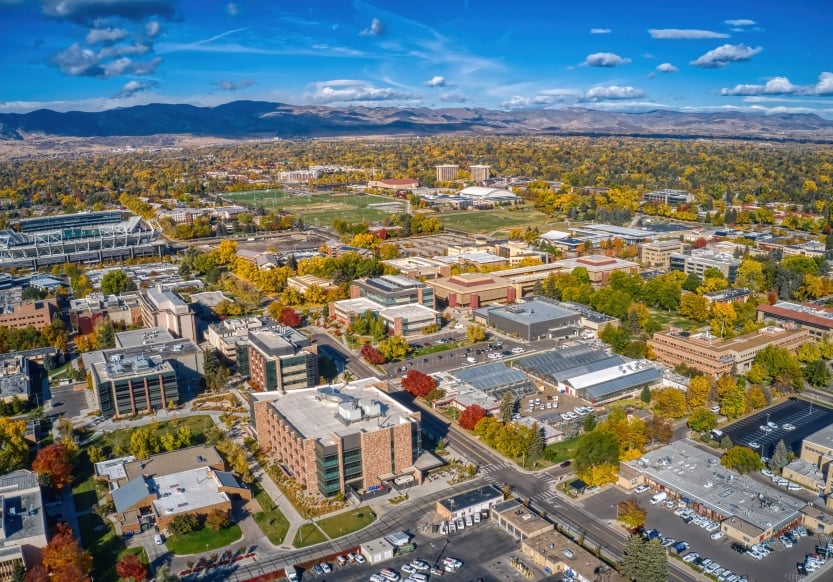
(726, 442)
(131, 568)
(694, 307)
(589, 422)
(631, 513)
(698, 392)
(742, 460)
(780, 457)
(669, 402)
(63, 557)
(596, 449)
(507, 407)
(471, 416)
(372, 355)
(818, 373)
(184, 523)
(143, 443)
(645, 395)
(536, 444)
(702, 420)
(418, 383)
(476, 333)
(217, 520)
(660, 429)
(105, 335)
(395, 347)
(289, 317)
(732, 396)
(53, 462)
(14, 450)
(116, 283)
(644, 561)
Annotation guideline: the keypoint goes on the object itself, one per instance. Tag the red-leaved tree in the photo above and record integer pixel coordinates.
(54, 463)
(131, 568)
(417, 383)
(372, 355)
(63, 557)
(471, 416)
(289, 317)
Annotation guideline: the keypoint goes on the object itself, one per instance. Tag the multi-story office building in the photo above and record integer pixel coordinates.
(700, 260)
(532, 318)
(657, 254)
(280, 359)
(816, 319)
(599, 267)
(164, 308)
(668, 196)
(393, 290)
(126, 385)
(447, 172)
(37, 314)
(480, 173)
(473, 290)
(87, 312)
(15, 381)
(225, 335)
(711, 355)
(338, 439)
(407, 320)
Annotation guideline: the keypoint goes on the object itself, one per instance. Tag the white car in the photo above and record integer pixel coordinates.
(158, 539)
(788, 427)
(717, 535)
(518, 350)
(767, 472)
(641, 489)
(495, 356)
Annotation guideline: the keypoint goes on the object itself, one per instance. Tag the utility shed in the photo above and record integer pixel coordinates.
(399, 538)
(377, 550)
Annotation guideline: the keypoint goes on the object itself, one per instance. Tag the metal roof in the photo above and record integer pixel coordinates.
(554, 361)
(623, 383)
(490, 376)
(131, 493)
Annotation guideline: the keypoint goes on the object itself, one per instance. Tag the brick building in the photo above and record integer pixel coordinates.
(280, 359)
(473, 290)
(599, 267)
(711, 355)
(339, 439)
(657, 254)
(816, 319)
(38, 314)
(164, 308)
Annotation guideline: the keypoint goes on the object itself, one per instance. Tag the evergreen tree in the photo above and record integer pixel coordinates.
(536, 443)
(633, 322)
(726, 443)
(507, 407)
(646, 395)
(644, 561)
(589, 422)
(779, 457)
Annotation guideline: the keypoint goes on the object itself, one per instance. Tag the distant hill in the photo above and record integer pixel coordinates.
(258, 119)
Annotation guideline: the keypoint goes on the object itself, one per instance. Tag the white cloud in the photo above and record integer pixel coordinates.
(604, 60)
(97, 35)
(740, 22)
(232, 9)
(600, 31)
(453, 97)
(376, 28)
(783, 86)
(132, 87)
(152, 28)
(723, 55)
(347, 91)
(613, 92)
(667, 68)
(684, 33)
(233, 86)
(436, 81)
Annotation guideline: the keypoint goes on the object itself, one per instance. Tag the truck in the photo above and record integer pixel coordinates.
(661, 496)
(290, 573)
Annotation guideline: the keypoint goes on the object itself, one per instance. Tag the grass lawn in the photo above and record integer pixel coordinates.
(347, 523)
(564, 450)
(272, 522)
(318, 209)
(203, 540)
(106, 548)
(667, 318)
(308, 535)
(435, 348)
(488, 221)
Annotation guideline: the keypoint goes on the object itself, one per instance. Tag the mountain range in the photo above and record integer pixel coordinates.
(259, 119)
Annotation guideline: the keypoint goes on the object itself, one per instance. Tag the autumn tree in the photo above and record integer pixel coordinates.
(289, 317)
(184, 523)
(372, 355)
(699, 388)
(131, 568)
(14, 449)
(217, 520)
(669, 402)
(143, 443)
(630, 513)
(63, 557)
(116, 282)
(597, 449)
(471, 416)
(394, 347)
(741, 459)
(418, 383)
(476, 333)
(660, 429)
(53, 465)
(732, 396)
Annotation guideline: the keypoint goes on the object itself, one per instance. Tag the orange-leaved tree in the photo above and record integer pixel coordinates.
(54, 465)
(63, 557)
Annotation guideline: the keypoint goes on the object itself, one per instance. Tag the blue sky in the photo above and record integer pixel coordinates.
(769, 56)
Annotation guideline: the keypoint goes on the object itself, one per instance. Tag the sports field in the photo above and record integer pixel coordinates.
(316, 209)
(497, 222)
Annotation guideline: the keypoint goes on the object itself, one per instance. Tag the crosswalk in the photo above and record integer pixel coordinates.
(545, 496)
(494, 467)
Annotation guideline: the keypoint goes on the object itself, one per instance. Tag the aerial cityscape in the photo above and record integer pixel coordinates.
(333, 291)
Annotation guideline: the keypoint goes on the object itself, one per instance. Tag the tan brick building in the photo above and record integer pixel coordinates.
(473, 290)
(338, 438)
(657, 254)
(38, 314)
(711, 355)
(599, 267)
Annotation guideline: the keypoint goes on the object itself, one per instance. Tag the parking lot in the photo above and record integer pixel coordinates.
(484, 550)
(807, 417)
(68, 402)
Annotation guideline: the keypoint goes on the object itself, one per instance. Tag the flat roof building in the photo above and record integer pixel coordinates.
(472, 290)
(23, 528)
(469, 502)
(555, 553)
(533, 318)
(699, 260)
(816, 319)
(420, 267)
(281, 358)
(714, 356)
(338, 439)
(37, 314)
(393, 290)
(164, 308)
(599, 267)
(748, 510)
(519, 521)
(657, 254)
(225, 335)
(447, 172)
(15, 381)
(87, 312)
(668, 196)
(405, 320)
